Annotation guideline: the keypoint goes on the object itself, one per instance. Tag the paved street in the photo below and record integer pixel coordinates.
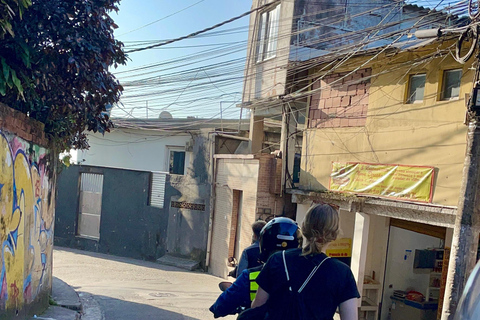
(129, 289)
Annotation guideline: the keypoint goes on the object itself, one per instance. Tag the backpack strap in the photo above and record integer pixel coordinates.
(311, 274)
(286, 270)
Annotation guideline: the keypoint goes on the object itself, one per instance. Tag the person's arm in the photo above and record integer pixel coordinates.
(349, 309)
(243, 263)
(237, 295)
(260, 298)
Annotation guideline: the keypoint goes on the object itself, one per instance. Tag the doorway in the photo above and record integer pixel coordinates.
(412, 266)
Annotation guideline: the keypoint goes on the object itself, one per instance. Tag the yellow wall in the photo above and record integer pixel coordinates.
(431, 133)
(26, 225)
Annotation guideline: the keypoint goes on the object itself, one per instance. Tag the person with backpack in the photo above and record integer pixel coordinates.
(278, 234)
(305, 283)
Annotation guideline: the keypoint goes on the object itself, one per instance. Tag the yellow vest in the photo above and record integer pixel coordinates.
(253, 284)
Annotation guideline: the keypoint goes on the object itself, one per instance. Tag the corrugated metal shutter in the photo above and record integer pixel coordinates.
(157, 189)
(91, 187)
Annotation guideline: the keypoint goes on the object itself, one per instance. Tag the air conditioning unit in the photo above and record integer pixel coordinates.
(189, 145)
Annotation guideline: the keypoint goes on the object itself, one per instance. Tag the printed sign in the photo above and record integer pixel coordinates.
(340, 248)
(386, 180)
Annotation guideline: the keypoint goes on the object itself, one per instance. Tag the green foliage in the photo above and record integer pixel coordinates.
(9, 9)
(56, 67)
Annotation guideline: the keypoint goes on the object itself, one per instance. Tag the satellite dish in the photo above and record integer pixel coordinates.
(165, 115)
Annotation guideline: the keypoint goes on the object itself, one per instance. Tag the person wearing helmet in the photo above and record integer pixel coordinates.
(304, 283)
(278, 234)
(250, 255)
(469, 306)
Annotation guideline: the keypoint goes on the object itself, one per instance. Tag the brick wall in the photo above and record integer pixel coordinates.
(269, 201)
(22, 126)
(342, 101)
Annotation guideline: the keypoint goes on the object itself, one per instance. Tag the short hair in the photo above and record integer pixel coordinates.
(257, 226)
(320, 227)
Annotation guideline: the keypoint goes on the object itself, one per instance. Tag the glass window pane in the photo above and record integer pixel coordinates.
(261, 36)
(451, 84)
(177, 162)
(273, 18)
(416, 88)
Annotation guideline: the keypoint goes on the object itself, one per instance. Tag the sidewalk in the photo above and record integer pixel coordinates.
(69, 305)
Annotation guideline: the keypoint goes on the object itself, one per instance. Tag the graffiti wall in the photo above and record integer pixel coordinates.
(26, 224)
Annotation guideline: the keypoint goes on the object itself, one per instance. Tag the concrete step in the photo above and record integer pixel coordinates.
(182, 263)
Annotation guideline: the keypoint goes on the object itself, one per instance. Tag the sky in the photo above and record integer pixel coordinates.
(196, 15)
(178, 77)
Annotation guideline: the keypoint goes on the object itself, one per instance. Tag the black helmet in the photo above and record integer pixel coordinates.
(278, 234)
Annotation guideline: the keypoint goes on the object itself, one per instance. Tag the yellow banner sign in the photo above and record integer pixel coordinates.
(386, 180)
(340, 248)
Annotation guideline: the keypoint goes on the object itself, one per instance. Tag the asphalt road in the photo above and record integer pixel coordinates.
(128, 289)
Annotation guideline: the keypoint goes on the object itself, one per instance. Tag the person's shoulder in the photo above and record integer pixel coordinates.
(339, 266)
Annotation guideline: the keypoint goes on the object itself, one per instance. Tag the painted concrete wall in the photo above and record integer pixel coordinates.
(128, 226)
(430, 133)
(147, 150)
(268, 78)
(134, 149)
(232, 174)
(27, 207)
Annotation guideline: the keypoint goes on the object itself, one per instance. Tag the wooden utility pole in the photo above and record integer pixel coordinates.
(465, 236)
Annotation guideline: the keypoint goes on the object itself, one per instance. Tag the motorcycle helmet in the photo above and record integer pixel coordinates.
(469, 306)
(278, 234)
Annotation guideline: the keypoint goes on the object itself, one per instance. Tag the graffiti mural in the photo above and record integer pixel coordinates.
(26, 222)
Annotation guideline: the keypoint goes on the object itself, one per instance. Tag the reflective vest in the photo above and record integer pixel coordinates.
(252, 276)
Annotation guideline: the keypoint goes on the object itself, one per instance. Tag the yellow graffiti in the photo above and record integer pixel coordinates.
(25, 236)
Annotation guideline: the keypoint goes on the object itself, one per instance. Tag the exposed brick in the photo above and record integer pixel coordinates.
(337, 101)
(328, 103)
(345, 102)
(344, 122)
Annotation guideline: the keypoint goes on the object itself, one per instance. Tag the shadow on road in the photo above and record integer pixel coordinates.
(116, 309)
(132, 261)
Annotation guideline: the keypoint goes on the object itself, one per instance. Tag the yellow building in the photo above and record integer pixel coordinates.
(385, 141)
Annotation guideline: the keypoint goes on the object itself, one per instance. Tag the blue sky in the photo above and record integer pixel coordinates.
(134, 14)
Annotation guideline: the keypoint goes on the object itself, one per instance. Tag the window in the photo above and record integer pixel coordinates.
(416, 88)
(267, 34)
(90, 206)
(451, 84)
(176, 163)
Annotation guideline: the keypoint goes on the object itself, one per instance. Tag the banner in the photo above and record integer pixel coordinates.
(340, 248)
(413, 183)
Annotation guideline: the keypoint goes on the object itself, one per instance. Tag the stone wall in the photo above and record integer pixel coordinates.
(27, 206)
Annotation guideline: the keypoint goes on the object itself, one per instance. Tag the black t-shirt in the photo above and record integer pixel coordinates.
(332, 284)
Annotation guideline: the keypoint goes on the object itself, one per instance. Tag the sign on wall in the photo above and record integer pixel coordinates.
(340, 248)
(414, 183)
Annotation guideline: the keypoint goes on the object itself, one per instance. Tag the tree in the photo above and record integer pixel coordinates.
(9, 9)
(55, 67)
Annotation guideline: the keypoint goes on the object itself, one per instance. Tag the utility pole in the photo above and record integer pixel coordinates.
(467, 223)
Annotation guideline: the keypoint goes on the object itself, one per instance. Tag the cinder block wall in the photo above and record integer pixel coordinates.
(27, 200)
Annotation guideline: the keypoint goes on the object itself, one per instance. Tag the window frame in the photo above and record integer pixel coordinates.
(267, 35)
(409, 93)
(444, 82)
(171, 149)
